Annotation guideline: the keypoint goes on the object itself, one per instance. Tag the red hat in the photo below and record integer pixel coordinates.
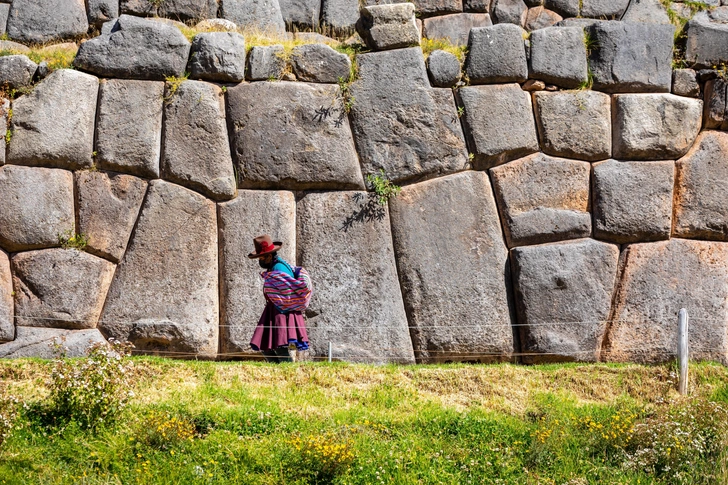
(264, 245)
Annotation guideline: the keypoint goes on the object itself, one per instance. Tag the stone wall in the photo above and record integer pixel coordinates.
(564, 174)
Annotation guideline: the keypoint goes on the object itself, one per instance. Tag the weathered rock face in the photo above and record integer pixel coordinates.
(443, 68)
(541, 18)
(702, 189)
(218, 56)
(37, 207)
(182, 10)
(129, 126)
(631, 57)
(108, 205)
(707, 43)
(426, 8)
(30, 20)
(647, 11)
(265, 63)
(510, 12)
(357, 303)
(685, 83)
(61, 288)
(543, 199)
(340, 15)
(319, 63)
(135, 48)
(251, 214)
(715, 109)
(566, 8)
(599, 9)
(7, 322)
(16, 71)
(563, 293)
(498, 123)
(455, 27)
(396, 115)
(496, 54)
(264, 15)
(54, 125)
(39, 342)
(632, 200)
(458, 313)
(389, 26)
(558, 56)
(302, 13)
(654, 126)
(174, 252)
(196, 146)
(292, 136)
(575, 124)
(658, 280)
(4, 14)
(101, 11)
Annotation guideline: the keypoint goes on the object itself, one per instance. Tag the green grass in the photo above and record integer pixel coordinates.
(256, 423)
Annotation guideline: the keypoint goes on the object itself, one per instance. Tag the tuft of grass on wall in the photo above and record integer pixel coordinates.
(430, 45)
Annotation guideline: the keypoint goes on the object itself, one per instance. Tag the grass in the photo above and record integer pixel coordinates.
(255, 423)
(430, 45)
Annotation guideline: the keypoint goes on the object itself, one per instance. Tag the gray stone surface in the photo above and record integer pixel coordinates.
(301, 13)
(658, 280)
(456, 314)
(60, 288)
(16, 71)
(565, 8)
(540, 18)
(454, 27)
(107, 206)
(7, 322)
(180, 10)
(707, 43)
(702, 189)
(443, 69)
(576, 22)
(100, 11)
(357, 303)
(685, 83)
(632, 201)
(604, 9)
(340, 15)
(558, 56)
(27, 219)
(509, 12)
(389, 26)
(654, 126)
(265, 63)
(319, 63)
(218, 56)
(4, 14)
(428, 8)
(264, 15)
(252, 213)
(574, 124)
(292, 136)
(174, 252)
(9, 45)
(396, 115)
(4, 112)
(647, 11)
(542, 199)
(135, 48)
(496, 55)
(217, 24)
(563, 293)
(715, 107)
(631, 57)
(480, 6)
(129, 126)
(54, 125)
(498, 122)
(30, 20)
(40, 343)
(196, 150)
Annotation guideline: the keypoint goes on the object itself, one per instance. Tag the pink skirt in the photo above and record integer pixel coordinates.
(276, 329)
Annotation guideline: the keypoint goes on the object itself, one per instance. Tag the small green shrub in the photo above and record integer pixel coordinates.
(383, 187)
(173, 84)
(322, 456)
(164, 430)
(8, 416)
(68, 240)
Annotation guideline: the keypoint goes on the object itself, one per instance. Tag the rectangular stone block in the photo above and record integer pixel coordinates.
(7, 312)
(455, 27)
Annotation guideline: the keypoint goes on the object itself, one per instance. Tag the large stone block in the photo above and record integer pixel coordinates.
(631, 57)
(396, 115)
(543, 199)
(40, 21)
(455, 27)
(603, 9)
(427, 8)
(715, 106)
(36, 207)
(389, 26)
(541, 18)
(509, 12)
(4, 14)
(182, 10)
(196, 148)
(654, 126)
(558, 56)
(707, 43)
(575, 124)
(357, 302)
(498, 122)
(252, 213)
(702, 189)
(218, 56)
(108, 205)
(496, 54)
(16, 71)
(340, 15)
(319, 63)
(54, 125)
(563, 293)
(263, 15)
(443, 69)
(60, 288)
(301, 13)
(129, 126)
(7, 320)
(41, 342)
(292, 136)
(266, 63)
(565, 8)
(647, 11)
(164, 296)
(658, 280)
(101, 11)
(135, 48)
(632, 200)
(461, 314)
(685, 83)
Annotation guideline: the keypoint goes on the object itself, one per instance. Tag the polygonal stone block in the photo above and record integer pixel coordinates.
(454, 27)
(496, 55)
(558, 56)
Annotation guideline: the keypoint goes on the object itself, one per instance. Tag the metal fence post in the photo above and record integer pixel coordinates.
(331, 350)
(682, 350)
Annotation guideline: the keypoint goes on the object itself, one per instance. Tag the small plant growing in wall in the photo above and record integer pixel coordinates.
(383, 187)
(68, 240)
(173, 84)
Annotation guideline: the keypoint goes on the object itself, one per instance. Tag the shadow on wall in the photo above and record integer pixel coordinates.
(370, 210)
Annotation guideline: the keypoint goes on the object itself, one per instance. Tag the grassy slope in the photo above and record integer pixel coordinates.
(268, 424)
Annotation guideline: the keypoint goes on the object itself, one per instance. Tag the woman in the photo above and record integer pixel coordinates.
(277, 332)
